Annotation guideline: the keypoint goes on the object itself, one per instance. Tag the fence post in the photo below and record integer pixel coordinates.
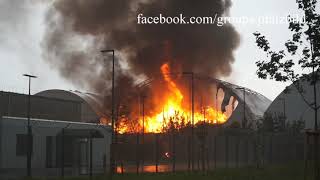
(271, 150)
(137, 153)
(306, 155)
(157, 152)
(247, 151)
(62, 153)
(294, 144)
(215, 151)
(237, 151)
(122, 170)
(227, 151)
(207, 152)
(203, 158)
(90, 141)
(173, 151)
(189, 154)
(198, 157)
(255, 151)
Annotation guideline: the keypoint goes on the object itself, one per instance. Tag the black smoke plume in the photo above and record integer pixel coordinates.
(78, 29)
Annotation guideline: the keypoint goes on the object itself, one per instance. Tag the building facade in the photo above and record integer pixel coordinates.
(58, 148)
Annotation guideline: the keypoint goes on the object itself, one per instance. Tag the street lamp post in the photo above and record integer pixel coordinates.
(29, 136)
(143, 126)
(112, 112)
(143, 113)
(244, 106)
(62, 149)
(192, 117)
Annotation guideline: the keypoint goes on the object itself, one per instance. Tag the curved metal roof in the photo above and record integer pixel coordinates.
(291, 103)
(94, 101)
(256, 104)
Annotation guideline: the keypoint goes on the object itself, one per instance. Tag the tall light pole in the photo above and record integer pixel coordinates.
(143, 113)
(62, 149)
(143, 125)
(244, 122)
(112, 112)
(192, 117)
(29, 136)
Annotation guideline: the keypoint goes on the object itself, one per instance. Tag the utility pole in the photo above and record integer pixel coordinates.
(90, 147)
(143, 101)
(192, 130)
(192, 117)
(216, 104)
(112, 163)
(62, 149)
(62, 153)
(316, 133)
(244, 123)
(29, 136)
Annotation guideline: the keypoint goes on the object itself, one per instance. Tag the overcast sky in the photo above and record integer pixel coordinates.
(21, 34)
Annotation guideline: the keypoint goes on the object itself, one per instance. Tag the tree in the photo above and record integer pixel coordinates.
(300, 57)
(273, 123)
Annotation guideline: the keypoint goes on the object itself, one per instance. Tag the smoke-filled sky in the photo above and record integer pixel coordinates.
(205, 49)
(54, 39)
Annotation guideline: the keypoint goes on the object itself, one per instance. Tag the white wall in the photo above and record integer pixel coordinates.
(10, 127)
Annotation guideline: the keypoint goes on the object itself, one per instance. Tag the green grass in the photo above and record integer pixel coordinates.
(284, 172)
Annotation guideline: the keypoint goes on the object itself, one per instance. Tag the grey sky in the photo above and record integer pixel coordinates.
(21, 35)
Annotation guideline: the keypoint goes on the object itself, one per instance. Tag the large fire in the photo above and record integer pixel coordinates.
(171, 112)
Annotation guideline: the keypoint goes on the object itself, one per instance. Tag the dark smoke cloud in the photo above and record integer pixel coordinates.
(78, 29)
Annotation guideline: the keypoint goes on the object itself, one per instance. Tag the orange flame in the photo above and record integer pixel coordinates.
(173, 114)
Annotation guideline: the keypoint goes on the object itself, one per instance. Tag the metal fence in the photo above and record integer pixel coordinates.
(217, 148)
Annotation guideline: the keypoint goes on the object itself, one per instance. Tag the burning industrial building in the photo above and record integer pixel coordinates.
(224, 107)
(166, 83)
(169, 110)
(77, 115)
(78, 30)
(230, 101)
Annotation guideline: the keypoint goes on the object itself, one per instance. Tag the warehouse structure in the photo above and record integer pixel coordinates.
(255, 103)
(91, 109)
(291, 105)
(75, 116)
(66, 139)
(251, 104)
